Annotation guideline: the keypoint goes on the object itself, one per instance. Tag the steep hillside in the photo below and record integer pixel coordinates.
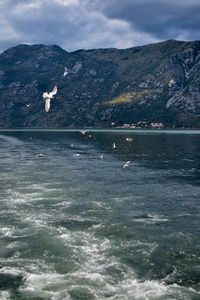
(130, 84)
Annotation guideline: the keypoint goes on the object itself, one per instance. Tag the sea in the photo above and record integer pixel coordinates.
(76, 223)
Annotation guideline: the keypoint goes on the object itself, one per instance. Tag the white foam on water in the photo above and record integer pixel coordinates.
(4, 295)
(100, 286)
(96, 272)
(7, 231)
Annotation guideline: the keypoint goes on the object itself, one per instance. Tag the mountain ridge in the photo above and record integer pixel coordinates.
(128, 84)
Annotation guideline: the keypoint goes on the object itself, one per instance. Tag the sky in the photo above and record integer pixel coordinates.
(94, 24)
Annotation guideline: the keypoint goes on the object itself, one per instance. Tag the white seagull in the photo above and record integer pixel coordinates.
(39, 155)
(171, 83)
(48, 96)
(27, 105)
(114, 145)
(65, 72)
(129, 139)
(83, 131)
(126, 164)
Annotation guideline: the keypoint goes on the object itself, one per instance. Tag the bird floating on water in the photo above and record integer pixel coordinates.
(112, 123)
(48, 96)
(65, 72)
(129, 139)
(126, 164)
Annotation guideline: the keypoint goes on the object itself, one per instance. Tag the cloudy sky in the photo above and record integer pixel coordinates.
(89, 24)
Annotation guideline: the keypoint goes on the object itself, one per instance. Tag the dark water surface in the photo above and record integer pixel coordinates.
(78, 226)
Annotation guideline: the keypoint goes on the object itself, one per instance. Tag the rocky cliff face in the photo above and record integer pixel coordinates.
(130, 84)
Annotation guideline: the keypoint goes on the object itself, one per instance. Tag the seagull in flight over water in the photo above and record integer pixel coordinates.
(113, 123)
(114, 145)
(83, 131)
(89, 136)
(39, 155)
(48, 96)
(126, 164)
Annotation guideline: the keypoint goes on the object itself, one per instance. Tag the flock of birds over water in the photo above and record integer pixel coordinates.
(47, 96)
(84, 132)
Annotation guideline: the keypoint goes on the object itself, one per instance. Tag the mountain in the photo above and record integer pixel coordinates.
(131, 85)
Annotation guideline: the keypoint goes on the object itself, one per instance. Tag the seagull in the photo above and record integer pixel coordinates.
(27, 105)
(83, 131)
(65, 72)
(114, 145)
(101, 156)
(76, 155)
(129, 139)
(171, 83)
(126, 164)
(113, 123)
(48, 96)
(39, 155)
(89, 136)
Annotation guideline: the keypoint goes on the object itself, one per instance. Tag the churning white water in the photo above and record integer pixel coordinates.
(75, 225)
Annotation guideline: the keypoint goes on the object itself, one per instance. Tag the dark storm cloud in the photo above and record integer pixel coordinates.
(75, 24)
(161, 19)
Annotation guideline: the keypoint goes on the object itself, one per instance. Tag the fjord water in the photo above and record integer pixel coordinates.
(82, 227)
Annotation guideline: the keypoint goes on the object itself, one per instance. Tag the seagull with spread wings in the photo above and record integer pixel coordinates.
(83, 131)
(126, 164)
(48, 96)
(39, 155)
(89, 136)
(112, 123)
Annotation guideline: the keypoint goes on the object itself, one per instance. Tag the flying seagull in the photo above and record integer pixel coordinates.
(39, 155)
(65, 72)
(48, 96)
(113, 123)
(171, 83)
(126, 164)
(83, 131)
(89, 136)
(27, 105)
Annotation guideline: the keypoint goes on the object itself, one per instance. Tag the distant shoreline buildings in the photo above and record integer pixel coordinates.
(142, 124)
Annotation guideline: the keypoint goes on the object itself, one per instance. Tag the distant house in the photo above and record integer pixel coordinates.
(126, 125)
(157, 125)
